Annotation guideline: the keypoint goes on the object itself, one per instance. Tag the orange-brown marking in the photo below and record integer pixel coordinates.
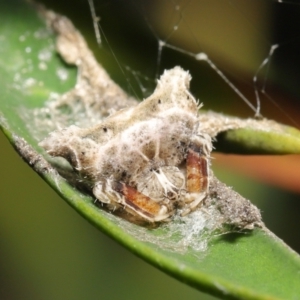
(137, 200)
(196, 172)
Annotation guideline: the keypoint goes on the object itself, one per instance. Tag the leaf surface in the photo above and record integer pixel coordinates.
(255, 265)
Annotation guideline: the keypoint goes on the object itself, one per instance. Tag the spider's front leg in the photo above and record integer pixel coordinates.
(197, 172)
(118, 194)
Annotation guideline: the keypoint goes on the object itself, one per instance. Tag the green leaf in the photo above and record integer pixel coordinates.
(250, 141)
(253, 265)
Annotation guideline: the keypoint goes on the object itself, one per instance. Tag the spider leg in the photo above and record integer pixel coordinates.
(197, 177)
(120, 194)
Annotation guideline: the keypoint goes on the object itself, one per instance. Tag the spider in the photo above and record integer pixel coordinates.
(149, 159)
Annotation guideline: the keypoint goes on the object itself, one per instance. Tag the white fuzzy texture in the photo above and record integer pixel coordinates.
(142, 146)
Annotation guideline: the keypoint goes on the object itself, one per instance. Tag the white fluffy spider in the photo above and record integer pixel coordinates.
(148, 159)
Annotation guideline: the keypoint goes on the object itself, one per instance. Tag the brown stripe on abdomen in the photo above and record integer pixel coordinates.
(137, 201)
(196, 172)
